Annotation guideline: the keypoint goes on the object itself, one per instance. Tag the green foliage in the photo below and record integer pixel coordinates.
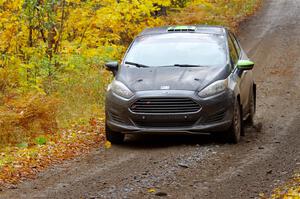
(23, 145)
(41, 140)
(85, 93)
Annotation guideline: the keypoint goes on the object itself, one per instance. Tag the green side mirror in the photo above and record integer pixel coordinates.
(245, 65)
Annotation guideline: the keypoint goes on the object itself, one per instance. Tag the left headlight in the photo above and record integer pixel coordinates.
(214, 88)
(120, 89)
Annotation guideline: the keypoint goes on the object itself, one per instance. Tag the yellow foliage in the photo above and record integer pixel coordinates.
(291, 190)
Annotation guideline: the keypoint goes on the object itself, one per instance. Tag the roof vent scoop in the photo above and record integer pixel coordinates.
(182, 29)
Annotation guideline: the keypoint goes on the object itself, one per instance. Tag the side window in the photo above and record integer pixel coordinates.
(232, 51)
(236, 43)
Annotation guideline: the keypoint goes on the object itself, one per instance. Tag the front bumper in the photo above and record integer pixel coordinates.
(215, 114)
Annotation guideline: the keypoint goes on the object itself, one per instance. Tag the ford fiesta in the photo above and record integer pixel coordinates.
(183, 79)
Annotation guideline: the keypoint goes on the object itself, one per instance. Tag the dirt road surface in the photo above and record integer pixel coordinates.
(202, 166)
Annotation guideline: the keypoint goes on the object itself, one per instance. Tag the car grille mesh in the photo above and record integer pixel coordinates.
(165, 105)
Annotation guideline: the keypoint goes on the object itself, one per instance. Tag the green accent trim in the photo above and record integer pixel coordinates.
(245, 64)
(182, 28)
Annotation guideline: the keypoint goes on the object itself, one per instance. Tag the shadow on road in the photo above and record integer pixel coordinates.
(162, 141)
(146, 141)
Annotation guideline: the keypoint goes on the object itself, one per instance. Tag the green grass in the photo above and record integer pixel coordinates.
(82, 96)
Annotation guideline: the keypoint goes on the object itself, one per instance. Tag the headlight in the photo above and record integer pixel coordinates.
(120, 89)
(214, 88)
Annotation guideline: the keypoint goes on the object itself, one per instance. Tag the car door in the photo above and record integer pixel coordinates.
(245, 83)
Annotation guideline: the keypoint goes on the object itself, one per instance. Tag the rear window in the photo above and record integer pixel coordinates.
(178, 48)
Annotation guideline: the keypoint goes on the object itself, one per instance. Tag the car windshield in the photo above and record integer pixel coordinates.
(178, 49)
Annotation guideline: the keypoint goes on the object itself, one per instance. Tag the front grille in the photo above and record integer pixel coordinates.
(165, 105)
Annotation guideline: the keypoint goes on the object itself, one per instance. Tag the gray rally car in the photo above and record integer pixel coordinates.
(181, 79)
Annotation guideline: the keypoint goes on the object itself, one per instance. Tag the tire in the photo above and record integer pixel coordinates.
(252, 110)
(235, 131)
(113, 136)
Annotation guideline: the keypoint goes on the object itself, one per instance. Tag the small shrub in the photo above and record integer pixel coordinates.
(24, 116)
(41, 140)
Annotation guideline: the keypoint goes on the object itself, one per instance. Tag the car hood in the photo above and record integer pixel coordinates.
(171, 78)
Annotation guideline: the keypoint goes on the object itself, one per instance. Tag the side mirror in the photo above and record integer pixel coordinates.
(245, 65)
(112, 66)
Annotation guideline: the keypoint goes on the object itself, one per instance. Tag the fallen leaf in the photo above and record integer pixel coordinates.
(151, 190)
(107, 144)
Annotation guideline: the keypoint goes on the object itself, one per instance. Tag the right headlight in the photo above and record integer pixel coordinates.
(214, 88)
(120, 89)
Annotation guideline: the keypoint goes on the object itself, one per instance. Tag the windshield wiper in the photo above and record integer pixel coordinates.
(137, 64)
(188, 65)
(177, 65)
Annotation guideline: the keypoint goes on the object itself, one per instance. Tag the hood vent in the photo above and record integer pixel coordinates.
(182, 29)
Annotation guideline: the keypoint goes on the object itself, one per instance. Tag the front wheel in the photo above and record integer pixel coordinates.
(113, 136)
(235, 131)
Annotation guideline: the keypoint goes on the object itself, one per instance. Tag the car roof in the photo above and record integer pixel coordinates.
(203, 29)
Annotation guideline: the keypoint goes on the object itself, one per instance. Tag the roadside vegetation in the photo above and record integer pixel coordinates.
(291, 190)
(52, 77)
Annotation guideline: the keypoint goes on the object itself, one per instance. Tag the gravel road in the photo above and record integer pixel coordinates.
(203, 166)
